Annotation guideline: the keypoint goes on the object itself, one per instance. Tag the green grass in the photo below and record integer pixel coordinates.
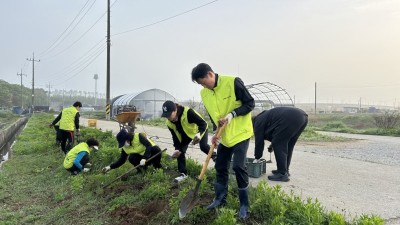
(36, 189)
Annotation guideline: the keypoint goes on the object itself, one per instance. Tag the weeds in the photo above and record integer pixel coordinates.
(43, 192)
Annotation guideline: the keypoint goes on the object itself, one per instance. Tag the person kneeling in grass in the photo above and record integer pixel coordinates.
(78, 157)
(136, 148)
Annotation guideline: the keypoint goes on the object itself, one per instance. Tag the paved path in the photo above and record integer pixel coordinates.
(357, 177)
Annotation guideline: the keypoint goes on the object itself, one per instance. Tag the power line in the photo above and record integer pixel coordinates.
(168, 18)
(69, 47)
(76, 64)
(80, 11)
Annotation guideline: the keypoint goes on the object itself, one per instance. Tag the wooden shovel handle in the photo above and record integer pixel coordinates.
(203, 170)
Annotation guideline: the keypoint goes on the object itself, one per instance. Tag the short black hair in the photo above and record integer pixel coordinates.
(200, 71)
(76, 104)
(92, 142)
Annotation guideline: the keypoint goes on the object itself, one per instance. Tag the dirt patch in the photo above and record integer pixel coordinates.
(134, 214)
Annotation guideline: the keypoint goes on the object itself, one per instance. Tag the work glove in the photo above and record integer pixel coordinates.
(85, 170)
(196, 139)
(176, 154)
(256, 160)
(227, 119)
(142, 162)
(106, 169)
(50, 125)
(88, 165)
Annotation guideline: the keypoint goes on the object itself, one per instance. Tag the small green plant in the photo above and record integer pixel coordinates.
(225, 217)
(77, 182)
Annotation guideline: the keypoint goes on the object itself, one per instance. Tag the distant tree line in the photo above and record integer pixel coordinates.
(13, 95)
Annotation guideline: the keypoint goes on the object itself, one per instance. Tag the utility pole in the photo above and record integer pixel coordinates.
(95, 88)
(108, 63)
(49, 86)
(315, 99)
(33, 79)
(22, 98)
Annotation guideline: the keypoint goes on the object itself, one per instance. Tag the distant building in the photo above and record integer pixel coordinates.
(148, 103)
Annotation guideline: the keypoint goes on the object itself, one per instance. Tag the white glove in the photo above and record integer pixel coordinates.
(196, 139)
(106, 169)
(85, 170)
(176, 154)
(88, 165)
(228, 117)
(142, 162)
(256, 160)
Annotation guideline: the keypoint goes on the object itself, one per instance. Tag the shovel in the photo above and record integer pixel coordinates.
(190, 200)
(134, 168)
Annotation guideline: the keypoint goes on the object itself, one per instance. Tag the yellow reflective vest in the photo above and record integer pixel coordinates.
(190, 129)
(73, 153)
(136, 146)
(219, 102)
(67, 121)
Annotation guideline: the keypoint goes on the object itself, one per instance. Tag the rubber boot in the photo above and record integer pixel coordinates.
(220, 196)
(244, 203)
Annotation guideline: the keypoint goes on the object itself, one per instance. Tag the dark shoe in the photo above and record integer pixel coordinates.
(220, 196)
(244, 203)
(279, 177)
(276, 171)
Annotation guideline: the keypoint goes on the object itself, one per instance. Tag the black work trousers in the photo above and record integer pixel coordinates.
(67, 140)
(204, 147)
(135, 158)
(284, 141)
(75, 170)
(237, 154)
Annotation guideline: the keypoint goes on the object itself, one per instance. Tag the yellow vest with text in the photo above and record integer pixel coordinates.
(190, 129)
(136, 146)
(67, 121)
(73, 153)
(219, 102)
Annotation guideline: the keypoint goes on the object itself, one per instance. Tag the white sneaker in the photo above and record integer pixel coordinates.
(181, 178)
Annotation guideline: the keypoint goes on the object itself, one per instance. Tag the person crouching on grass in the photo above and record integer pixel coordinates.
(186, 125)
(78, 157)
(136, 148)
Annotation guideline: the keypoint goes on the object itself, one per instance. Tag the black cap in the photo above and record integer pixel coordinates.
(122, 136)
(168, 107)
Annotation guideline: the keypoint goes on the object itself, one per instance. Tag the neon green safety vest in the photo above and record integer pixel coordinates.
(137, 147)
(73, 153)
(190, 129)
(219, 102)
(67, 121)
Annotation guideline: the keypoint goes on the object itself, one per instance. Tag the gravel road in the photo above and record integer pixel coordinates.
(359, 176)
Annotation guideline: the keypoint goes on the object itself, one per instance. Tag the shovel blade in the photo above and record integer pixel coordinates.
(188, 203)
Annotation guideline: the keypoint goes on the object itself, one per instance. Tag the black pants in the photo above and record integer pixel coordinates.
(67, 140)
(204, 147)
(75, 170)
(135, 158)
(284, 141)
(224, 156)
(58, 134)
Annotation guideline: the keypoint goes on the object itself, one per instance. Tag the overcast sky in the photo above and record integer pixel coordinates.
(351, 48)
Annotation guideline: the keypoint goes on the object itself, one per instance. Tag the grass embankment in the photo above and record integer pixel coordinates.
(36, 189)
(7, 118)
(350, 123)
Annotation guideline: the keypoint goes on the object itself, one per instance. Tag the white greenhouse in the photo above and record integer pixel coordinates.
(148, 103)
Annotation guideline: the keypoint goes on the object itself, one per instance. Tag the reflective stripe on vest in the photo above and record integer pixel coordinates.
(137, 147)
(73, 153)
(67, 121)
(190, 129)
(221, 101)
